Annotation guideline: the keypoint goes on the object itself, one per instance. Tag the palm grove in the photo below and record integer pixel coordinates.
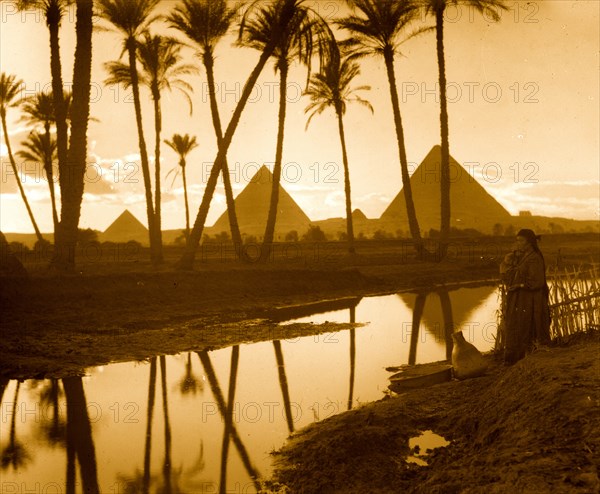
(283, 32)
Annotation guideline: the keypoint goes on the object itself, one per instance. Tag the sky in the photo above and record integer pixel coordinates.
(523, 112)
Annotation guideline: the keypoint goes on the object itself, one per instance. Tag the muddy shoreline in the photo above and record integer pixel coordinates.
(532, 427)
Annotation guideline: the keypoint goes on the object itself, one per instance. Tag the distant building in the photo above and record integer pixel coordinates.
(525, 213)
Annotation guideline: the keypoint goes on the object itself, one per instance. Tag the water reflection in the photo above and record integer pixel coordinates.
(114, 431)
(80, 444)
(15, 454)
(231, 431)
(352, 356)
(190, 384)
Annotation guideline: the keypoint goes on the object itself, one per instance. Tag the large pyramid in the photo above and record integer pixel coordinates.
(252, 209)
(471, 205)
(125, 228)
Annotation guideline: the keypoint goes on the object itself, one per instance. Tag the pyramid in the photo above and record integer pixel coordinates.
(252, 209)
(471, 206)
(358, 215)
(125, 228)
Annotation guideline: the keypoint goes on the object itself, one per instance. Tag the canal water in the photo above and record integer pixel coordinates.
(208, 421)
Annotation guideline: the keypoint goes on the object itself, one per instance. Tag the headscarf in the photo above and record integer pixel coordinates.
(532, 239)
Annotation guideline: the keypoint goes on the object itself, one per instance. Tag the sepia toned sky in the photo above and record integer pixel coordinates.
(524, 118)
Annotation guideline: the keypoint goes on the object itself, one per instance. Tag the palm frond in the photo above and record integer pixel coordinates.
(10, 90)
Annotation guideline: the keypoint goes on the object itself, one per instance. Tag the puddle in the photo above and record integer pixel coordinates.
(422, 445)
(197, 422)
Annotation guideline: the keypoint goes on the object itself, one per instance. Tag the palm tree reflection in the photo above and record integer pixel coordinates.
(53, 431)
(14, 454)
(284, 385)
(448, 320)
(235, 357)
(189, 383)
(80, 443)
(149, 415)
(447, 325)
(416, 323)
(223, 408)
(352, 356)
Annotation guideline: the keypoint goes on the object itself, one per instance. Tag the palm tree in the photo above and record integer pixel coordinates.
(295, 42)
(9, 90)
(331, 88)
(379, 31)
(182, 145)
(71, 175)
(39, 109)
(41, 148)
(282, 16)
(54, 11)
(437, 8)
(205, 22)
(160, 59)
(131, 18)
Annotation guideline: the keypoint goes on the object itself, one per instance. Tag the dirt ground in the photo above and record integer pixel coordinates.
(530, 428)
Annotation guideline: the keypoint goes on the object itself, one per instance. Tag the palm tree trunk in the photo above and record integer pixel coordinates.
(150, 413)
(13, 165)
(133, 74)
(13, 420)
(284, 385)
(352, 357)
(167, 461)
(53, 17)
(50, 177)
(72, 174)
(185, 197)
(445, 163)
(410, 205)
(448, 321)
(267, 245)
(157, 193)
(71, 473)
(235, 358)
(416, 324)
(79, 432)
(349, 224)
(187, 260)
(233, 221)
(222, 406)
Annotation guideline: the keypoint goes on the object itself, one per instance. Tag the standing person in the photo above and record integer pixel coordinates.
(527, 315)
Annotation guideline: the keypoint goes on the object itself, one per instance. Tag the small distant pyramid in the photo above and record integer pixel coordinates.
(125, 228)
(252, 209)
(471, 206)
(358, 215)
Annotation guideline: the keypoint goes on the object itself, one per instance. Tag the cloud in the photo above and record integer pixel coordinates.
(574, 199)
